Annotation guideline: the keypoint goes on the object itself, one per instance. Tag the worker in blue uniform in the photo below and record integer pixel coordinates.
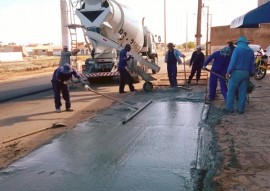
(196, 61)
(231, 45)
(221, 61)
(172, 57)
(125, 76)
(60, 83)
(241, 67)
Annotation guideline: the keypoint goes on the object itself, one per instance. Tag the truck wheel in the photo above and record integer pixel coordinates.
(147, 86)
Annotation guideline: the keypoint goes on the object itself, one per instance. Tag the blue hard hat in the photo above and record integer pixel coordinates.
(242, 39)
(66, 68)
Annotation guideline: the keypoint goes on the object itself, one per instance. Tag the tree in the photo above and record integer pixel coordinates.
(190, 45)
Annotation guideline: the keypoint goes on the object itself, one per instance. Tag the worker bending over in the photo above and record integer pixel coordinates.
(219, 68)
(60, 82)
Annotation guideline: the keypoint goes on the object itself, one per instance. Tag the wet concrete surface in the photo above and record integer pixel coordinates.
(154, 151)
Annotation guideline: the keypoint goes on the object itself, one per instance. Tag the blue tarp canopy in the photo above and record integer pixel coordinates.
(253, 18)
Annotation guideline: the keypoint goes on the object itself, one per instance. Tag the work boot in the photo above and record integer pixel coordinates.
(69, 110)
(188, 81)
(58, 110)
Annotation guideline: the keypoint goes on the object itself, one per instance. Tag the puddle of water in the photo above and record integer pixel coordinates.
(154, 151)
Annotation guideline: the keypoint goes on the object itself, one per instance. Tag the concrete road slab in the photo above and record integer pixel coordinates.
(154, 151)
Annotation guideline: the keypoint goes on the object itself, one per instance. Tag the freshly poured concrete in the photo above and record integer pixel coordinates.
(155, 151)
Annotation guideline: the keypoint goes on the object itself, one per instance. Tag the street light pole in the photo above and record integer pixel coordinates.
(187, 33)
(207, 32)
(165, 35)
(199, 21)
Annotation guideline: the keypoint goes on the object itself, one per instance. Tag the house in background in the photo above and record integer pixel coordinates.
(11, 52)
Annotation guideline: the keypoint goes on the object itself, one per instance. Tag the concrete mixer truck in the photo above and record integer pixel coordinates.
(110, 25)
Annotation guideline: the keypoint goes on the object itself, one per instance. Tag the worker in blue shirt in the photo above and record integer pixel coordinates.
(241, 67)
(221, 61)
(125, 76)
(231, 45)
(196, 61)
(172, 57)
(60, 83)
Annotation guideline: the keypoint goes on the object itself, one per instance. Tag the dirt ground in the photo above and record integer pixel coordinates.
(244, 142)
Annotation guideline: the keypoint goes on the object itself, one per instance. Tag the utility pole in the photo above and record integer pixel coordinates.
(187, 33)
(207, 32)
(165, 31)
(64, 22)
(199, 21)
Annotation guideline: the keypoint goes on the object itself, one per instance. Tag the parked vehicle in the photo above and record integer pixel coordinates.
(267, 52)
(110, 25)
(261, 64)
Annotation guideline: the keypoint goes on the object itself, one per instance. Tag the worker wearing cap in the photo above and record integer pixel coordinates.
(60, 82)
(65, 55)
(219, 68)
(172, 57)
(231, 45)
(241, 67)
(196, 61)
(125, 76)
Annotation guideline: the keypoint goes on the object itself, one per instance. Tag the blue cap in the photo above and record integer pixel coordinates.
(66, 68)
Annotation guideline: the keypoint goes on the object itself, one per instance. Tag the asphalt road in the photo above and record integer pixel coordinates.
(16, 89)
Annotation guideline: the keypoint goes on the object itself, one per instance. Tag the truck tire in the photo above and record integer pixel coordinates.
(148, 86)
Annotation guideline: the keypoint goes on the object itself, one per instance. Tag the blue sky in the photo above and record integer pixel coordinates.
(38, 21)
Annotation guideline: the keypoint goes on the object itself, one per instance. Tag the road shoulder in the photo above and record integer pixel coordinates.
(244, 144)
(33, 113)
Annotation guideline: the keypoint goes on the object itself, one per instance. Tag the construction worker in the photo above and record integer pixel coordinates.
(241, 67)
(172, 57)
(196, 61)
(125, 76)
(60, 83)
(231, 45)
(65, 55)
(219, 67)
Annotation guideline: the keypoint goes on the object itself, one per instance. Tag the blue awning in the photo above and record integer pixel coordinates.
(253, 18)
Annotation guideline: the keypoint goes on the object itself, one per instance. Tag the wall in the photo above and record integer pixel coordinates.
(222, 34)
(260, 2)
(10, 56)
